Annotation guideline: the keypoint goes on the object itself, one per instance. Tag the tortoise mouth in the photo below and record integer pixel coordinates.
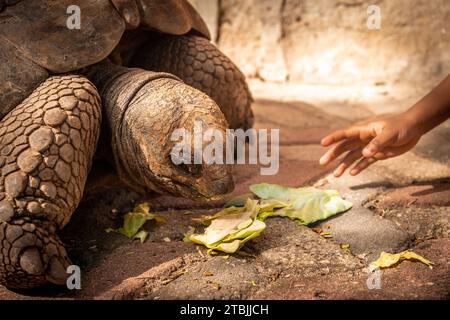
(214, 190)
(192, 193)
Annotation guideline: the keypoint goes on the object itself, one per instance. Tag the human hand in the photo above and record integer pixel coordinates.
(370, 141)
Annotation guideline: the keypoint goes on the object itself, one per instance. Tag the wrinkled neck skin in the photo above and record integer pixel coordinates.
(142, 109)
(118, 86)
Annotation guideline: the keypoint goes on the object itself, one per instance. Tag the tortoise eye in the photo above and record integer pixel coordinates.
(191, 169)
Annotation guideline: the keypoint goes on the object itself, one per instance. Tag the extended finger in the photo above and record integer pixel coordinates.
(349, 133)
(351, 157)
(361, 165)
(339, 149)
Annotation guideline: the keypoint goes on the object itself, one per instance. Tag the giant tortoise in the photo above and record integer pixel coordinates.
(146, 67)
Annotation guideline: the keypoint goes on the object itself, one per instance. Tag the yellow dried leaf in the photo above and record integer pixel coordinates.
(326, 234)
(387, 260)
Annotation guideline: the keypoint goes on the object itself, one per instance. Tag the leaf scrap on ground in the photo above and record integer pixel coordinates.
(387, 260)
(326, 235)
(231, 228)
(317, 230)
(242, 218)
(306, 205)
(133, 222)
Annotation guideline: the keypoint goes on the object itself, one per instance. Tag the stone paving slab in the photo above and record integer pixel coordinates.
(366, 232)
(409, 280)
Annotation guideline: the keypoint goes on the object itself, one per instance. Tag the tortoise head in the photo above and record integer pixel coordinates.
(193, 160)
(166, 123)
(154, 120)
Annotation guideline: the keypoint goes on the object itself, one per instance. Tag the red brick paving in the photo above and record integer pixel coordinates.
(432, 194)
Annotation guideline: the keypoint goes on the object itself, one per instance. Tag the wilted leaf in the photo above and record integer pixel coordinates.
(206, 220)
(237, 223)
(133, 222)
(326, 234)
(269, 191)
(141, 235)
(306, 205)
(230, 228)
(387, 260)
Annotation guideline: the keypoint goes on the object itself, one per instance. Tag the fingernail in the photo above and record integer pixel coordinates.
(354, 172)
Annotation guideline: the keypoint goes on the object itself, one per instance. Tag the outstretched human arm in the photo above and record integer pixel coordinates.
(389, 136)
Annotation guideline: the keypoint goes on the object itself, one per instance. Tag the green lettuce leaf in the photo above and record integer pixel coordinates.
(242, 219)
(306, 205)
(231, 228)
(133, 222)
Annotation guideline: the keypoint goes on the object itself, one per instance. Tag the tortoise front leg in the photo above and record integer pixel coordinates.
(200, 64)
(46, 147)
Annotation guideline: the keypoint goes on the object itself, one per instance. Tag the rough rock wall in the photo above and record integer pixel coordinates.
(328, 41)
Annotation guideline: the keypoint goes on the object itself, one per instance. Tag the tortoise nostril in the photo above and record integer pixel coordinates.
(222, 187)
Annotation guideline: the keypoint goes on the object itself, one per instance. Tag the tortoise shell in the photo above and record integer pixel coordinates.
(36, 41)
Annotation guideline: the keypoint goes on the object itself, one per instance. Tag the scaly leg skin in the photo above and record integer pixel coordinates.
(46, 147)
(200, 64)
